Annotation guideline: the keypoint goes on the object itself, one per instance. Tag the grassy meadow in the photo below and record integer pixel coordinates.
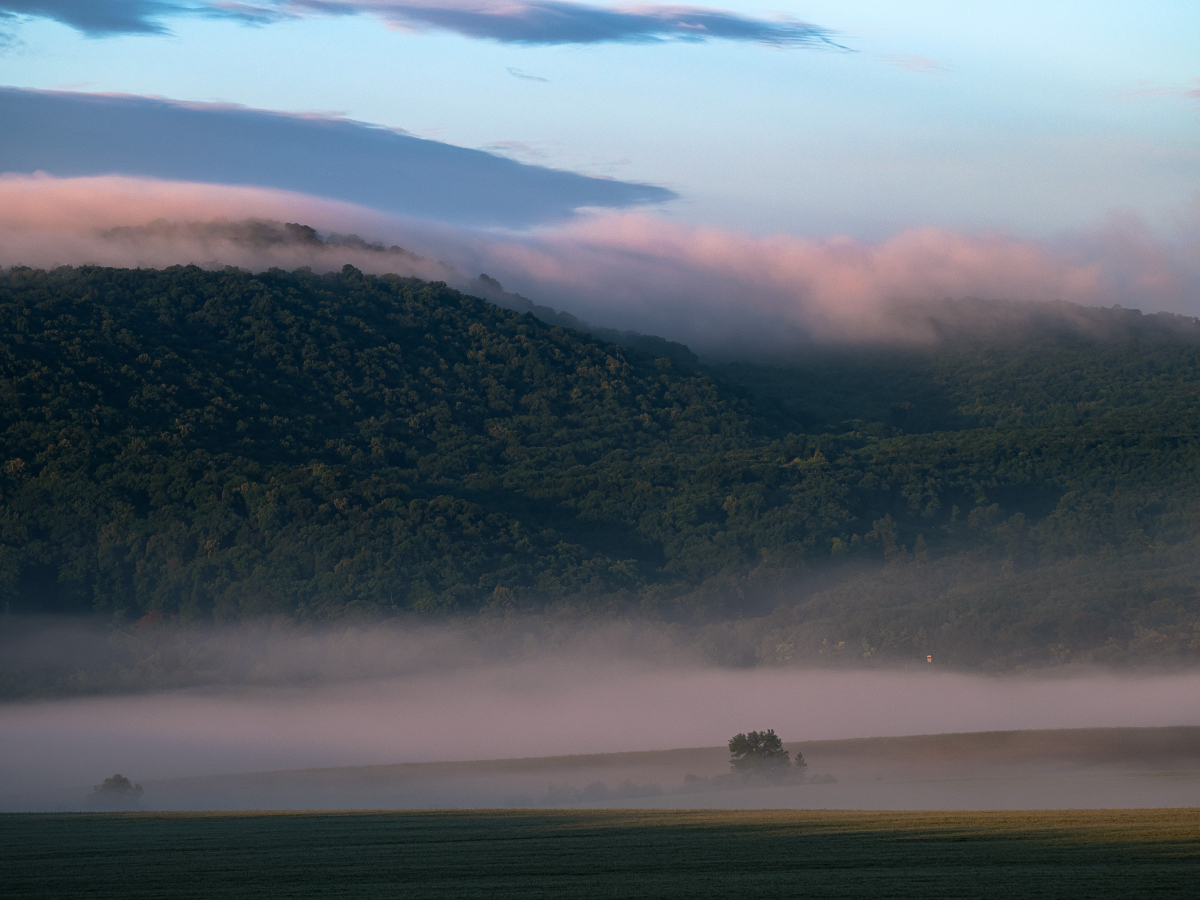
(603, 853)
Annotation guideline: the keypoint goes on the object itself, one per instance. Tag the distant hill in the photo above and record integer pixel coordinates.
(220, 445)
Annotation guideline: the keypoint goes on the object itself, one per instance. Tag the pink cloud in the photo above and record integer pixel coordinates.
(706, 286)
(47, 221)
(640, 271)
(43, 202)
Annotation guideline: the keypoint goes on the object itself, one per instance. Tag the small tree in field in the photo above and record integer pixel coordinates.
(115, 792)
(758, 753)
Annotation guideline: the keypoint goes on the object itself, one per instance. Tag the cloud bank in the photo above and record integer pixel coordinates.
(529, 22)
(427, 694)
(75, 134)
(723, 293)
(711, 287)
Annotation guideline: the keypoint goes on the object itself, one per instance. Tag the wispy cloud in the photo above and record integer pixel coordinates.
(525, 76)
(921, 65)
(506, 21)
(1145, 90)
(102, 17)
(564, 22)
(523, 150)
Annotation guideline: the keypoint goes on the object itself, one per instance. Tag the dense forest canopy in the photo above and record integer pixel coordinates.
(213, 446)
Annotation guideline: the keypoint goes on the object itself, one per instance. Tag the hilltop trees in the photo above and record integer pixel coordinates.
(222, 445)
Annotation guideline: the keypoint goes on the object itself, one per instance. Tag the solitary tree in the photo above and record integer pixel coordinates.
(758, 752)
(115, 792)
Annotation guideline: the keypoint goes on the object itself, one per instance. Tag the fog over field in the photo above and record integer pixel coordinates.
(382, 696)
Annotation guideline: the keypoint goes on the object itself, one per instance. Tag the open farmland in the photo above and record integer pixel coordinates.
(594, 853)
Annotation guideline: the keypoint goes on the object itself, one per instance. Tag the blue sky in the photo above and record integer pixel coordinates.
(856, 151)
(1034, 117)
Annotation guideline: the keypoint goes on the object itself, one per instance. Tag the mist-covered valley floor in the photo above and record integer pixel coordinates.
(394, 717)
(1134, 768)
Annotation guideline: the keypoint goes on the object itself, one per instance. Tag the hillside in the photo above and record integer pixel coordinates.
(222, 445)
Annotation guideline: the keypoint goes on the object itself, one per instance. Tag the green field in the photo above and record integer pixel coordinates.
(611, 853)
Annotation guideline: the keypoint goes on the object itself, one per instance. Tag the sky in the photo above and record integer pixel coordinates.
(660, 146)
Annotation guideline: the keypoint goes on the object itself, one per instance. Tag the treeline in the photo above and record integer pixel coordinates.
(221, 445)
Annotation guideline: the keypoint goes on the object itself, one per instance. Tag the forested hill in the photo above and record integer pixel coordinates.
(216, 443)
(219, 445)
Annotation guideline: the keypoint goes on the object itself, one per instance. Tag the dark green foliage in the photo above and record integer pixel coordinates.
(221, 445)
(757, 752)
(115, 792)
(604, 853)
(973, 610)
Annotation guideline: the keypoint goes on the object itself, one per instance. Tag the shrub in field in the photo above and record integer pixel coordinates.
(115, 792)
(758, 753)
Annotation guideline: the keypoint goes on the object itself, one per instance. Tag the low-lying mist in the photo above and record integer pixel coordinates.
(725, 294)
(347, 696)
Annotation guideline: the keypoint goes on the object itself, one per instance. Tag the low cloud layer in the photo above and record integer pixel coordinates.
(437, 693)
(708, 286)
(723, 293)
(76, 134)
(529, 22)
(121, 221)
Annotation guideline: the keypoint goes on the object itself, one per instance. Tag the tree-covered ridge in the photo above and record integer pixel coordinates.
(221, 444)
(185, 440)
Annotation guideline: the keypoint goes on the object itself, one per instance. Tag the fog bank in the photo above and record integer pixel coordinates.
(723, 293)
(270, 696)
(540, 707)
(727, 293)
(143, 222)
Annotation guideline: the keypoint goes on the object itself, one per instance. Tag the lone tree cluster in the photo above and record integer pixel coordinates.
(760, 753)
(115, 792)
